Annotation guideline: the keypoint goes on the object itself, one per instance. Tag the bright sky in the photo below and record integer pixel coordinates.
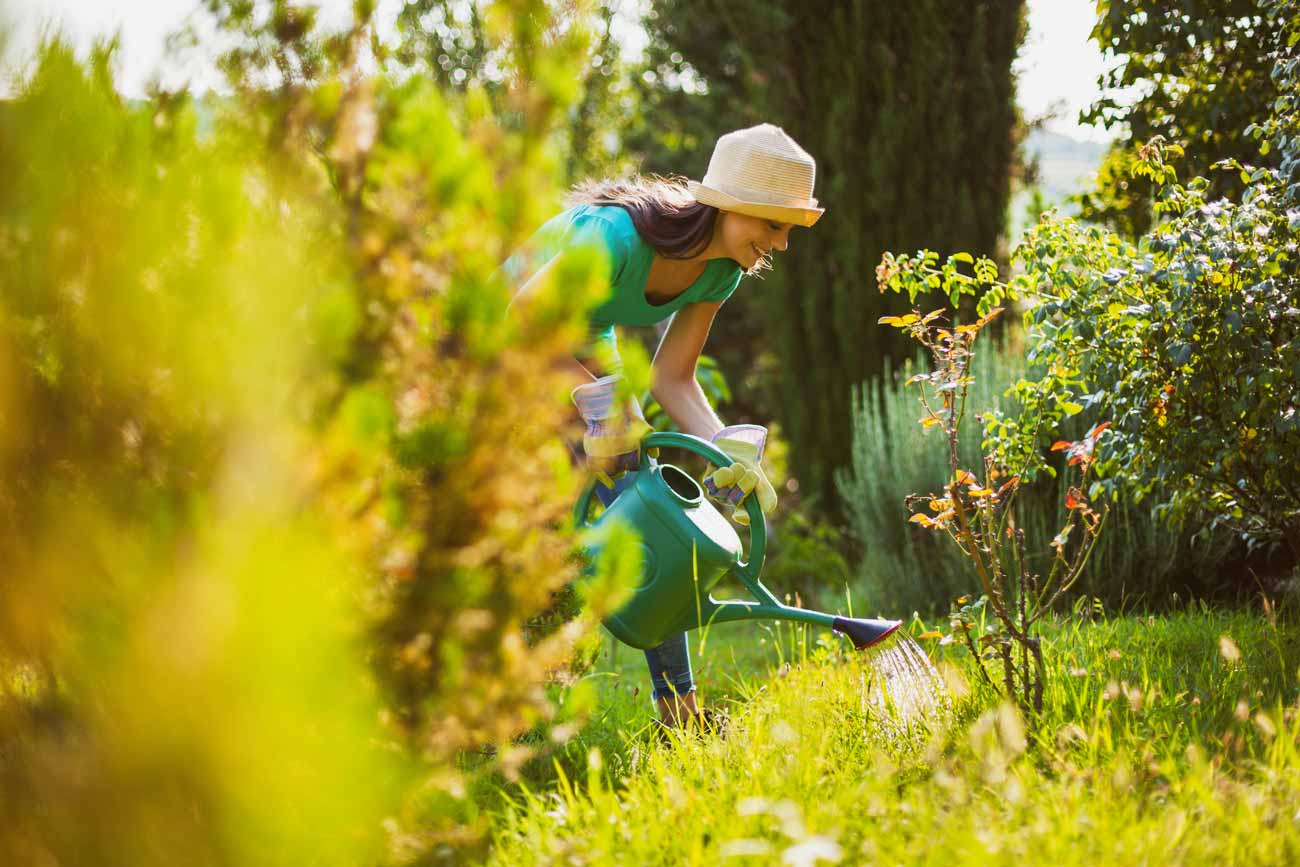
(1058, 66)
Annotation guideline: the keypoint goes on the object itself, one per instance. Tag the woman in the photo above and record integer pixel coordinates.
(675, 250)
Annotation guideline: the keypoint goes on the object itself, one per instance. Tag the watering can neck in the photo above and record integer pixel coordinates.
(748, 570)
(673, 511)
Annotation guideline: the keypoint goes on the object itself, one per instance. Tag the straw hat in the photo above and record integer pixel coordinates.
(762, 172)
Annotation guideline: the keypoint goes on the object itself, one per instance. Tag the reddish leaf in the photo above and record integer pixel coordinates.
(1071, 501)
(1092, 434)
(1008, 483)
(1061, 444)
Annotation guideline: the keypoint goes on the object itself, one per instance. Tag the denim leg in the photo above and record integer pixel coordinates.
(670, 667)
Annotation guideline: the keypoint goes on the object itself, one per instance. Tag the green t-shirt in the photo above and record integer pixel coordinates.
(611, 228)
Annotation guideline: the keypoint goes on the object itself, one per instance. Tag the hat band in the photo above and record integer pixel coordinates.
(758, 197)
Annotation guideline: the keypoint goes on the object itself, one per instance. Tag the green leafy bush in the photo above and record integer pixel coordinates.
(1195, 73)
(1187, 340)
(1190, 341)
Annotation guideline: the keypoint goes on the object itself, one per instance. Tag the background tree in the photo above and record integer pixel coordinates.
(910, 112)
(1203, 74)
(457, 46)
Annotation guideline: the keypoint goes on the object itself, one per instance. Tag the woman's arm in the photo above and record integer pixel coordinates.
(673, 383)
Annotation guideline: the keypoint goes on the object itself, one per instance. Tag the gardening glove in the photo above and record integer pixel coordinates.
(614, 429)
(732, 484)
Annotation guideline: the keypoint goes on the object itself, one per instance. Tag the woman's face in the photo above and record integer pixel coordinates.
(751, 240)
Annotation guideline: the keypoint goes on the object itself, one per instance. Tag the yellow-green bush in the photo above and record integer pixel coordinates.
(179, 663)
(280, 482)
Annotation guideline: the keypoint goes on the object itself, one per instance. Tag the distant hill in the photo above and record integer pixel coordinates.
(1065, 166)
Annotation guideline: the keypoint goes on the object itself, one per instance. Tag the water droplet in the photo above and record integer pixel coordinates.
(904, 696)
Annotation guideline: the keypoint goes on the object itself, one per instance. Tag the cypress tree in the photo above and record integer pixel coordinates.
(910, 112)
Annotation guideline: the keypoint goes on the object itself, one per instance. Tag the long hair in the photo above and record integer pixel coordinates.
(663, 211)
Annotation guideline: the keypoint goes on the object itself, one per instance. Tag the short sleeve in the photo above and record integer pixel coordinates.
(599, 231)
(569, 231)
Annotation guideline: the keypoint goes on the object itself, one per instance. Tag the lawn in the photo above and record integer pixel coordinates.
(1165, 740)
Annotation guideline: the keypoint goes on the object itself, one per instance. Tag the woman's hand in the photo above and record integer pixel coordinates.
(615, 428)
(745, 476)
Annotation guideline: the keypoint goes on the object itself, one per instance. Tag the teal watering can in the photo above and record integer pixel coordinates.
(688, 547)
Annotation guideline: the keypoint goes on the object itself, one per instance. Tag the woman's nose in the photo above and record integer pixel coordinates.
(782, 241)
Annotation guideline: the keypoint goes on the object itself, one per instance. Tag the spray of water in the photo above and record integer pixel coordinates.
(903, 694)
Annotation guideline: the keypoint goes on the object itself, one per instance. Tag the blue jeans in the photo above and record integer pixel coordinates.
(670, 667)
(670, 661)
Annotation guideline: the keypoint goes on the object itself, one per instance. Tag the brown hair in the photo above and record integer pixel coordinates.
(663, 211)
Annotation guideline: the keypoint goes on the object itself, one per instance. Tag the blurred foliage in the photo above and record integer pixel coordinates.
(179, 674)
(1200, 73)
(451, 42)
(712, 382)
(286, 483)
(910, 113)
(808, 557)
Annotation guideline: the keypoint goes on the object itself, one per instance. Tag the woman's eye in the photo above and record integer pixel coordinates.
(775, 227)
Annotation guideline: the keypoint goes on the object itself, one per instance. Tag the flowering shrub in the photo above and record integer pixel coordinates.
(976, 508)
(1188, 340)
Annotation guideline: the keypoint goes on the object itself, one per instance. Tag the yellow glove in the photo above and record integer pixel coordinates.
(612, 445)
(614, 429)
(732, 484)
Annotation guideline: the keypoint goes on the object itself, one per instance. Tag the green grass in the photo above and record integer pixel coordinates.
(1157, 747)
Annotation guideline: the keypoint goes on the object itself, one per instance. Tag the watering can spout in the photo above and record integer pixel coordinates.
(864, 633)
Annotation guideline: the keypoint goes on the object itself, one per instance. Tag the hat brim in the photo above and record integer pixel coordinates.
(781, 213)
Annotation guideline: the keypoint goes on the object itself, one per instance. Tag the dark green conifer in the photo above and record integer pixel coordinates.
(909, 109)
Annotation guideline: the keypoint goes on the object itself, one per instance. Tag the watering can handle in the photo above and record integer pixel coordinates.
(748, 571)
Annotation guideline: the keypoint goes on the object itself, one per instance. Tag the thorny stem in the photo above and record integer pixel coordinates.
(1040, 675)
(1021, 598)
(975, 654)
(1081, 558)
(995, 595)
(1008, 671)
